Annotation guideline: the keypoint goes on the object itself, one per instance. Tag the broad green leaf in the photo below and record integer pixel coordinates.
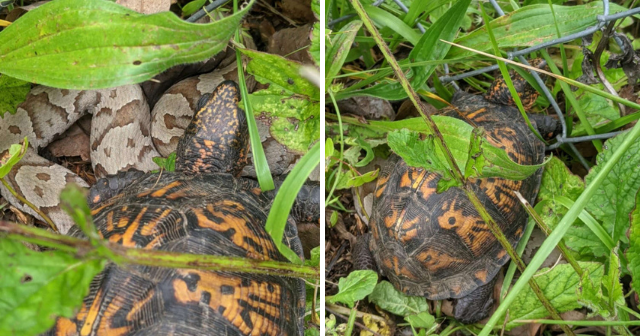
(421, 320)
(429, 48)
(193, 7)
(532, 25)
(92, 44)
(278, 71)
(633, 253)
(37, 287)
(558, 189)
(12, 92)
(597, 109)
(314, 49)
(328, 148)
(559, 285)
(338, 50)
(419, 153)
(614, 200)
(168, 163)
(396, 302)
(281, 206)
(457, 136)
(16, 152)
(294, 119)
(356, 286)
(604, 297)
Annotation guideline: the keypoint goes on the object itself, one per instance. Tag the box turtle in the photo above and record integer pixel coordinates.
(436, 245)
(202, 208)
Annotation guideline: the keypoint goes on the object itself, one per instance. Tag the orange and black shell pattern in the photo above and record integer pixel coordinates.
(212, 214)
(437, 245)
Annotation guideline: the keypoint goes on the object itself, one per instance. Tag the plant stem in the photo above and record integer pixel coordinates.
(454, 169)
(125, 255)
(547, 231)
(30, 205)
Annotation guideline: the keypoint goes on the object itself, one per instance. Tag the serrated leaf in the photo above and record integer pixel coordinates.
(37, 287)
(557, 180)
(559, 285)
(12, 92)
(532, 25)
(396, 302)
(15, 154)
(614, 200)
(314, 49)
(314, 260)
(633, 253)
(92, 44)
(604, 297)
(294, 119)
(168, 163)
(356, 286)
(278, 71)
(476, 159)
(421, 320)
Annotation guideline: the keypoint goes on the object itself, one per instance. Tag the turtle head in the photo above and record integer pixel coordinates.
(499, 91)
(217, 139)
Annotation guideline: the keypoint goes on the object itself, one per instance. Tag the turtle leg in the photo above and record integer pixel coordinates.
(361, 254)
(477, 305)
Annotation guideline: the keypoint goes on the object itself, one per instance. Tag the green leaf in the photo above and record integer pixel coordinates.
(633, 253)
(421, 320)
(419, 153)
(328, 148)
(278, 71)
(314, 49)
(383, 19)
(356, 286)
(388, 298)
(429, 48)
(603, 297)
(314, 261)
(12, 92)
(92, 44)
(338, 50)
(476, 159)
(614, 200)
(37, 287)
(559, 285)
(168, 163)
(16, 152)
(457, 136)
(532, 25)
(193, 7)
(294, 119)
(279, 213)
(557, 180)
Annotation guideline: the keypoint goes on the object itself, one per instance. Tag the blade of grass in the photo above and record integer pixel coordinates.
(259, 158)
(283, 202)
(385, 19)
(574, 102)
(505, 74)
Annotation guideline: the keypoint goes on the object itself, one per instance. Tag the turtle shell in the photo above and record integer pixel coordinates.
(437, 245)
(212, 214)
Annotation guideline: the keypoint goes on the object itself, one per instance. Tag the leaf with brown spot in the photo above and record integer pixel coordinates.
(92, 44)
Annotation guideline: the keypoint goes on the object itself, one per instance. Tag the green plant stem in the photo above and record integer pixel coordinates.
(125, 255)
(339, 170)
(454, 169)
(547, 231)
(351, 322)
(561, 229)
(583, 323)
(30, 205)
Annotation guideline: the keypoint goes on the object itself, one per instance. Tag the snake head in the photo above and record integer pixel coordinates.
(217, 139)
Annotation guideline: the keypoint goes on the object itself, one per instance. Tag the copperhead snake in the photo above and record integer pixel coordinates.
(125, 133)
